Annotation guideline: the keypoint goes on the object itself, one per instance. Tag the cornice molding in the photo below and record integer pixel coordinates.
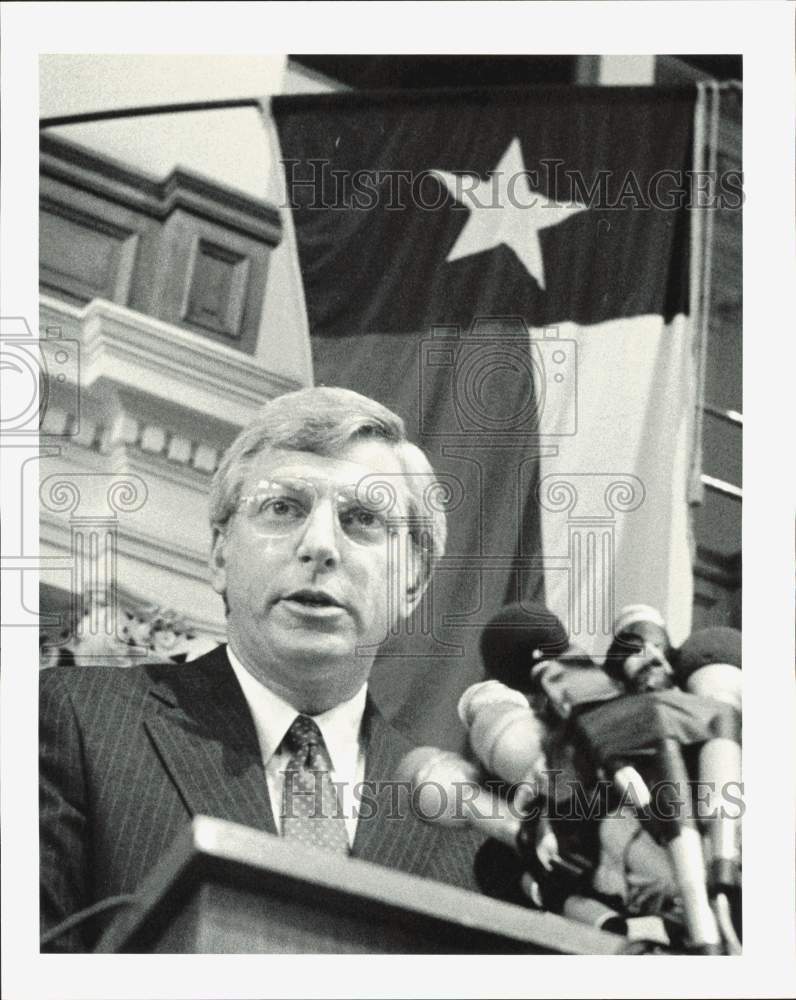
(101, 175)
(129, 350)
(164, 466)
(126, 445)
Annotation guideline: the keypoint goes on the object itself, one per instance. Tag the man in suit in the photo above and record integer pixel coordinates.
(308, 509)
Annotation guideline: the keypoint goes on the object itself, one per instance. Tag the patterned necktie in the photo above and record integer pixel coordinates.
(311, 813)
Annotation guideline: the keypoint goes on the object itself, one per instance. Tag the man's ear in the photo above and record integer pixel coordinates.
(415, 582)
(414, 593)
(218, 562)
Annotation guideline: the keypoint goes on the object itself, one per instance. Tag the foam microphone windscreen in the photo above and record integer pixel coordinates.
(708, 646)
(433, 773)
(446, 791)
(517, 638)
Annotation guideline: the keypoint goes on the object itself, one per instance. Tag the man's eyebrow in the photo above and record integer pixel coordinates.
(352, 486)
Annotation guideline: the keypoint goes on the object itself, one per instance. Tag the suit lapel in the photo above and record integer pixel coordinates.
(388, 831)
(201, 726)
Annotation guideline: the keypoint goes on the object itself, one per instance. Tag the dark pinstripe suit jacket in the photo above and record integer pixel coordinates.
(128, 755)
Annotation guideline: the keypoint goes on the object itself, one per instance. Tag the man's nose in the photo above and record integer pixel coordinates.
(319, 540)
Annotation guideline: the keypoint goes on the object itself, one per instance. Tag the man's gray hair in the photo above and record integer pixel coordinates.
(324, 421)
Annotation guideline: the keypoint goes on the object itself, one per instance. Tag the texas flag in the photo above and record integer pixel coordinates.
(508, 270)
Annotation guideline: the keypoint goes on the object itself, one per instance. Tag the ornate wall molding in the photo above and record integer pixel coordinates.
(185, 249)
(73, 164)
(147, 633)
(129, 353)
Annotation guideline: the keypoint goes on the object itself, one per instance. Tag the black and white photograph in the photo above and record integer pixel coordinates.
(384, 539)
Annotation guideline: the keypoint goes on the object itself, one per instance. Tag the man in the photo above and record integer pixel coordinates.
(308, 509)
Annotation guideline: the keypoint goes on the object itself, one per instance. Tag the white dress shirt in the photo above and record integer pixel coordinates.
(340, 727)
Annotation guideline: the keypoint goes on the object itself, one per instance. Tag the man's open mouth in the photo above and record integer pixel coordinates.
(313, 599)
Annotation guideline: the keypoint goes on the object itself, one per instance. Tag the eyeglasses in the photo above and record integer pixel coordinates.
(278, 507)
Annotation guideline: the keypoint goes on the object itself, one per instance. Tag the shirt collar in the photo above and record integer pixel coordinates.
(340, 726)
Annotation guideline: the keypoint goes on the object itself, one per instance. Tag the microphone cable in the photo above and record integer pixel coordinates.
(76, 919)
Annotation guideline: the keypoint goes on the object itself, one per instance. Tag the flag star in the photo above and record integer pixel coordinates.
(505, 209)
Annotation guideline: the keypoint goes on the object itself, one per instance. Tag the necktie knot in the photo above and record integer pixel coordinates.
(303, 736)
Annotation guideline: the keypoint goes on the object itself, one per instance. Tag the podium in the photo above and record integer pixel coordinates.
(227, 888)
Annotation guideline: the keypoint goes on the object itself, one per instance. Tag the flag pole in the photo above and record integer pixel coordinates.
(151, 109)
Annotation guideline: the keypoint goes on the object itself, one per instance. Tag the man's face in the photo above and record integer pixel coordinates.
(646, 667)
(305, 572)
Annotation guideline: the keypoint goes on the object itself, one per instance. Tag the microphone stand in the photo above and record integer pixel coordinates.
(684, 845)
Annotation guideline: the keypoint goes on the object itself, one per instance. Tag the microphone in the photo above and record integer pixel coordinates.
(518, 638)
(504, 733)
(708, 664)
(685, 848)
(639, 654)
(656, 726)
(487, 693)
(439, 780)
(588, 910)
(509, 740)
(572, 683)
(529, 649)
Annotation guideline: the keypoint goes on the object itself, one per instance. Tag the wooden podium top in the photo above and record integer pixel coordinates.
(224, 887)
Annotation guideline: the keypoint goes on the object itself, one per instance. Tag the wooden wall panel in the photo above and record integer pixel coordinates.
(185, 249)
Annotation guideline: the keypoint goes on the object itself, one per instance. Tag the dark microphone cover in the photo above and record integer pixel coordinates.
(635, 724)
(509, 642)
(708, 645)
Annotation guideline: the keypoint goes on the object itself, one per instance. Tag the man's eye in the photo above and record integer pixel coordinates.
(357, 515)
(279, 507)
(360, 519)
